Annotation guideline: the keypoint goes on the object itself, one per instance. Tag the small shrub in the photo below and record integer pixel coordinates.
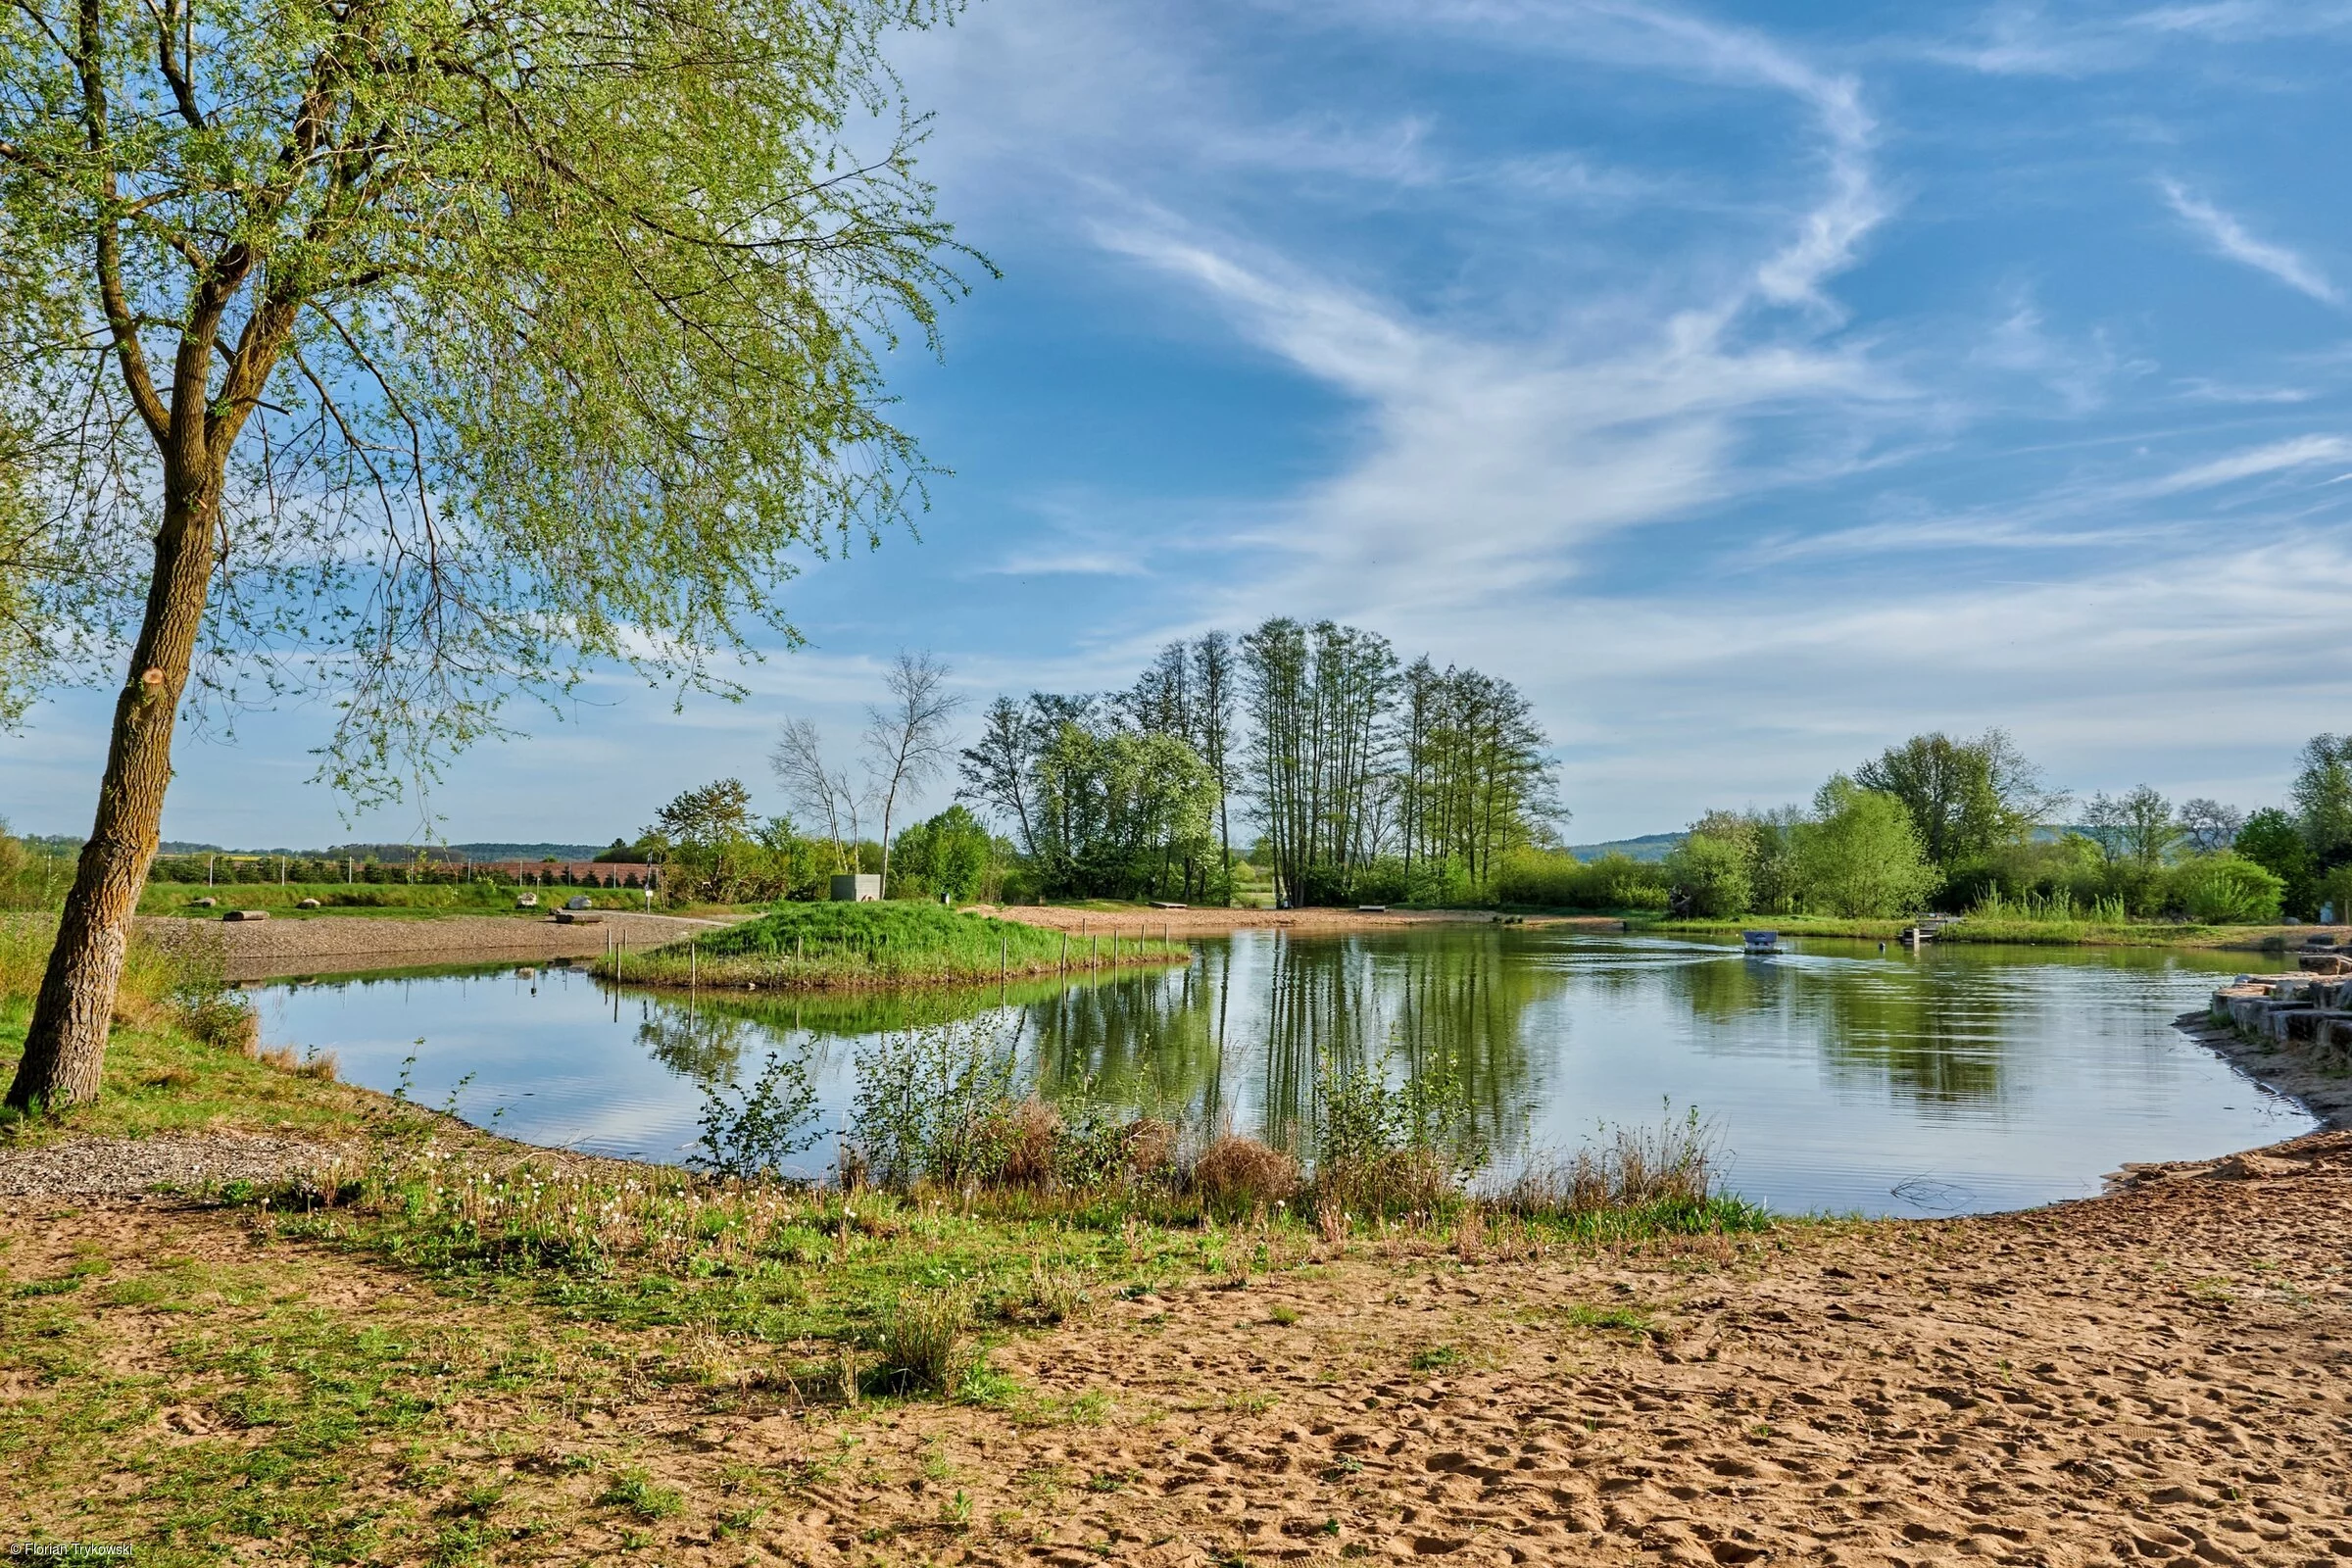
(1235, 1175)
(1392, 1149)
(756, 1131)
(2224, 890)
(922, 1340)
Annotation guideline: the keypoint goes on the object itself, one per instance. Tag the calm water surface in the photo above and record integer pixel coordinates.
(1839, 1078)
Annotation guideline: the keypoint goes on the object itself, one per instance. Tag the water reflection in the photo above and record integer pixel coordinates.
(1841, 1078)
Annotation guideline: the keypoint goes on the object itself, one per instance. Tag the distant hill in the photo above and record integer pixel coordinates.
(470, 851)
(1648, 847)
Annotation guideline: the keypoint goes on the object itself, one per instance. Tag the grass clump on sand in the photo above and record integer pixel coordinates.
(822, 946)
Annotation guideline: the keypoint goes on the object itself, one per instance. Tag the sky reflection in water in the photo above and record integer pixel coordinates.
(1964, 1079)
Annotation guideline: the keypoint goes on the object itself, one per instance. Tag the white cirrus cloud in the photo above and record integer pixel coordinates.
(2227, 235)
(2277, 457)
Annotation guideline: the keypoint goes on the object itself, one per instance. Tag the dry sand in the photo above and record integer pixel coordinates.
(324, 944)
(2156, 1377)
(2159, 1376)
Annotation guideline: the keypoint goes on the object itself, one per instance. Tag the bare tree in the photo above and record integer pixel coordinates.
(906, 739)
(817, 793)
(2210, 824)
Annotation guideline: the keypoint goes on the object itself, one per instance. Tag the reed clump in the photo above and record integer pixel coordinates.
(922, 1340)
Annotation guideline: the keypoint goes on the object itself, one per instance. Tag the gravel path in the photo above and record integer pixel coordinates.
(131, 1167)
(292, 944)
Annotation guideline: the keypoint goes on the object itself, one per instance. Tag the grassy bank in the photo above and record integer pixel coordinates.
(2002, 931)
(812, 947)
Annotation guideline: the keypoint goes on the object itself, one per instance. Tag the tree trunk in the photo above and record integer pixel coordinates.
(65, 1046)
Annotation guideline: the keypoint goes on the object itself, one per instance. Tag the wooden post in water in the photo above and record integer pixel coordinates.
(1066, 953)
(1002, 949)
(693, 945)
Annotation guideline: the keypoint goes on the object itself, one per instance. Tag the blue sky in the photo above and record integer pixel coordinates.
(1754, 385)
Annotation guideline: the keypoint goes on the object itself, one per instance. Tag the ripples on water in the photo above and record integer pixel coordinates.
(1963, 1079)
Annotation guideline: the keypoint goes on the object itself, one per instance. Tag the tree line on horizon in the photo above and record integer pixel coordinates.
(1970, 825)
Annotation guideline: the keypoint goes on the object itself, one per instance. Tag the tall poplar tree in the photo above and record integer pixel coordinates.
(428, 349)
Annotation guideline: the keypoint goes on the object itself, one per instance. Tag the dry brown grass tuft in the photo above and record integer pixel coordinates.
(1236, 1175)
(1399, 1181)
(321, 1066)
(1029, 1133)
(1151, 1145)
(1672, 1162)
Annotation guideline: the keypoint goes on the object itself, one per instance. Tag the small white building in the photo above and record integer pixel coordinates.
(860, 889)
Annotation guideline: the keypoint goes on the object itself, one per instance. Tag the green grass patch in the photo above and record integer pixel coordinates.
(819, 945)
(1624, 1320)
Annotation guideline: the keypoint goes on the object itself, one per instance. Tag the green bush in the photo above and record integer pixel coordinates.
(1553, 879)
(951, 854)
(2224, 890)
(1712, 872)
(1860, 855)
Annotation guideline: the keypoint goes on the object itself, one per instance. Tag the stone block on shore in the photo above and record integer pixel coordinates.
(246, 914)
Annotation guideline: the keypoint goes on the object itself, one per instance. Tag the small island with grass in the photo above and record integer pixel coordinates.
(842, 946)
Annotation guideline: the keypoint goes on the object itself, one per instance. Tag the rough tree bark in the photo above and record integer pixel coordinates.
(65, 1047)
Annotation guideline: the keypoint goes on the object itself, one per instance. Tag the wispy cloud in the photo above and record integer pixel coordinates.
(2278, 457)
(2022, 343)
(2226, 234)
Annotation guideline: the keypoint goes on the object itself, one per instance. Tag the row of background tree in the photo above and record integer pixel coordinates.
(1359, 778)
(1967, 825)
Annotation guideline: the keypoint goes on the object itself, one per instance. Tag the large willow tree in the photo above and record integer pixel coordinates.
(417, 353)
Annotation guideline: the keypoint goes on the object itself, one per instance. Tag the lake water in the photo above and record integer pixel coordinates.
(1838, 1078)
